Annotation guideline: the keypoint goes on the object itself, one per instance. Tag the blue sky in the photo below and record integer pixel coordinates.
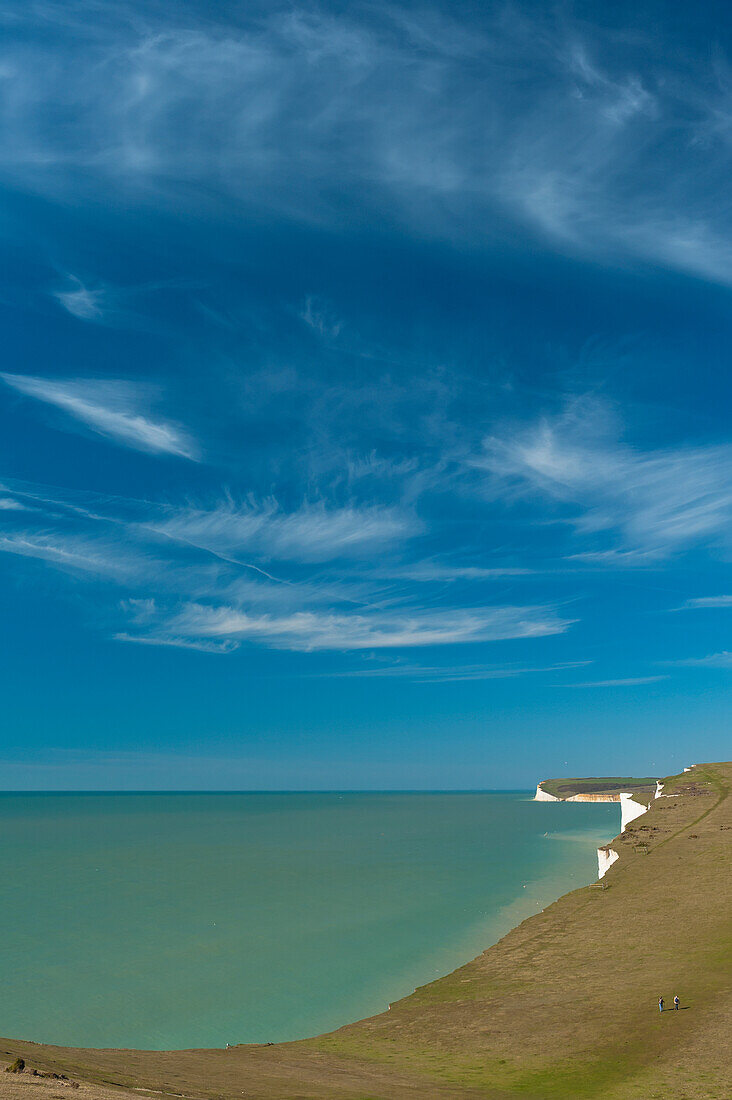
(364, 407)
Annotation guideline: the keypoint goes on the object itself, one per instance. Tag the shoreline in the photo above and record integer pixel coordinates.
(522, 908)
(477, 907)
(547, 1011)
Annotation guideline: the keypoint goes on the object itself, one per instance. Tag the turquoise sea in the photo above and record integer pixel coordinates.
(178, 920)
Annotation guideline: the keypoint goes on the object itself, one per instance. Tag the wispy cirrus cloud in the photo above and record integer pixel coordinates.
(320, 317)
(449, 674)
(81, 301)
(627, 681)
(313, 532)
(432, 571)
(96, 557)
(618, 155)
(712, 660)
(109, 408)
(620, 559)
(174, 594)
(705, 601)
(201, 645)
(356, 630)
(651, 502)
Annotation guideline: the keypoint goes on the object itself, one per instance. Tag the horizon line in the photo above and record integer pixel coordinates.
(273, 790)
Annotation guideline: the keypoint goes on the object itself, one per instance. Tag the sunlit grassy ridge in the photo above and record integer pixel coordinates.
(565, 788)
(563, 1006)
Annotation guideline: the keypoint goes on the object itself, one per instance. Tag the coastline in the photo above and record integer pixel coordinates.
(562, 1005)
(406, 890)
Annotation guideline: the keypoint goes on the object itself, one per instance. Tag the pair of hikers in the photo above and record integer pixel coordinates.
(661, 1003)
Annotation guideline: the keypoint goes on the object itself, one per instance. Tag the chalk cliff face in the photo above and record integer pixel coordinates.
(630, 809)
(542, 795)
(605, 859)
(588, 796)
(595, 796)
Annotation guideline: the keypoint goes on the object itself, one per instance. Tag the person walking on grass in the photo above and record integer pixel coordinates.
(676, 1002)
(660, 1004)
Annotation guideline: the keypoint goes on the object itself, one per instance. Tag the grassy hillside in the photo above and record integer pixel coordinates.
(563, 1006)
(614, 784)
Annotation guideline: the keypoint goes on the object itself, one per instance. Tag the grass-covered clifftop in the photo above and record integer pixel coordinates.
(563, 1006)
(609, 785)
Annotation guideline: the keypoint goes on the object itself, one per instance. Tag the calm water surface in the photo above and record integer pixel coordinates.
(170, 920)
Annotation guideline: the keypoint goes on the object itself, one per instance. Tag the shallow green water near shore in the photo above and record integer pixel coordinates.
(168, 921)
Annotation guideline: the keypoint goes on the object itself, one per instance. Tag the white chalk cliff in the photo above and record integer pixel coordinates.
(544, 796)
(605, 859)
(629, 808)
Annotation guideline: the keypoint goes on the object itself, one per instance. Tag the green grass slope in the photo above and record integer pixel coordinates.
(614, 784)
(563, 1006)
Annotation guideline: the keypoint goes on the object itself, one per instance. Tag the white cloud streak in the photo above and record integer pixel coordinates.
(705, 601)
(109, 408)
(448, 674)
(430, 572)
(78, 553)
(200, 645)
(327, 630)
(712, 660)
(654, 502)
(71, 553)
(311, 533)
(628, 681)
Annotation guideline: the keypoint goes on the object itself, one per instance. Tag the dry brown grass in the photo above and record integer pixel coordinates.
(564, 1006)
(25, 1086)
